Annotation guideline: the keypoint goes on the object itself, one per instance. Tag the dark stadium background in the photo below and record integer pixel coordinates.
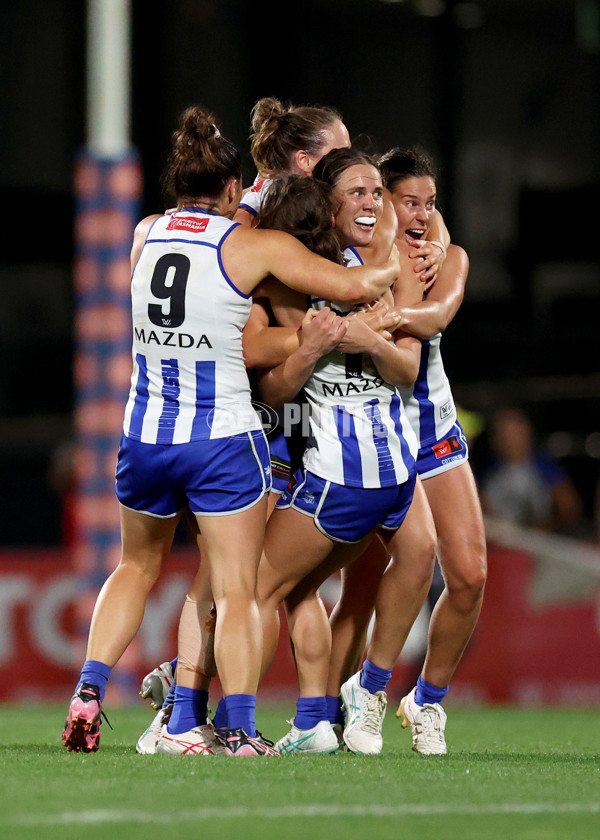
(504, 93)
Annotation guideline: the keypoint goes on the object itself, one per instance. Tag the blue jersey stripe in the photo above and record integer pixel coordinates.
(421, 394)
(171, 406)
(247, 207)
(387, 472)
(205, 399)
(351, 459)
(181, 239)
(222, 267)
(140, 403)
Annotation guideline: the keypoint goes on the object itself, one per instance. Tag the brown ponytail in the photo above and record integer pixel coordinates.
(202, 160)
(279, 131)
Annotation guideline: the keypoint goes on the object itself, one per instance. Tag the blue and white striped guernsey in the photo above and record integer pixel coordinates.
(360, 435)
(253, 199)
(429, 403)
(189, 379)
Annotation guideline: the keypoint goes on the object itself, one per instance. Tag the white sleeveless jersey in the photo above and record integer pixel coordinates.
(360, 436)
(254, 197)
(429, 404)
(189, 379)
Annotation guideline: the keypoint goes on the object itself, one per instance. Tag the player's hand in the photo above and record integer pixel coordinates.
(360, 337)
(380, 318)
(321, 331)
(429, 258)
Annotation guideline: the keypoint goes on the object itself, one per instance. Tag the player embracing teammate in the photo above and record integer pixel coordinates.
(188, 413)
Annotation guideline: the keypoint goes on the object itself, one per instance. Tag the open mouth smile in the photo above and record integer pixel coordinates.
(367, 222)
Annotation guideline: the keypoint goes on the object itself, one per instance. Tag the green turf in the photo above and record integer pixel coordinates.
(526, 774)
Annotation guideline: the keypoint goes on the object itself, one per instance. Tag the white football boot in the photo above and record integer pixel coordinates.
(155, 685)
(147, 741)
(364, 717)
(320, 739)
(427, 724)
(201, 740)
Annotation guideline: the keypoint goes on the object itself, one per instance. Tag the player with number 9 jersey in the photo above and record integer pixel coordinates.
(191, 438)
(189, 380)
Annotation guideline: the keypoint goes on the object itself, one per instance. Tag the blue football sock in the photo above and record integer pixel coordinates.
(241, 712)
(94, 673)
(174, 665)
(189, 710)
(335, 710)
(428, 693)
(374, 678)
(309, 711)
(220, 718)
(170, 698)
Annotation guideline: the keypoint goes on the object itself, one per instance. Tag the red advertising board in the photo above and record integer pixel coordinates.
(535, 643)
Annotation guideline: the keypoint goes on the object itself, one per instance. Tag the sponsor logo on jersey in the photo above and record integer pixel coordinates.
(190, 223)
(359, 386)
(257, 186)
(446, 447)
(446, 409)
(170, 338)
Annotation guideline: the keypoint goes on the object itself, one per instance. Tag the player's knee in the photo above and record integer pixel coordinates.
(146, 567)
(425, 558)
(465, 582)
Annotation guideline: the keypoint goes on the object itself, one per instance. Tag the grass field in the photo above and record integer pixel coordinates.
(526, 774)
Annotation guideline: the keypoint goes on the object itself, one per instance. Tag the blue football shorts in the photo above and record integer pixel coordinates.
(347, 514)
(450, 451)
(287, 443)
(213, 477)
(281, 466)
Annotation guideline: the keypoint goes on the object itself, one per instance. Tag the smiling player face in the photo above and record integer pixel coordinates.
(414, 203)
(358, 195)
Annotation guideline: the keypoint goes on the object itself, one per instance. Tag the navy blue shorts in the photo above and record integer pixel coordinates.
(347, 514)
(213, 477)
(445, 454)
